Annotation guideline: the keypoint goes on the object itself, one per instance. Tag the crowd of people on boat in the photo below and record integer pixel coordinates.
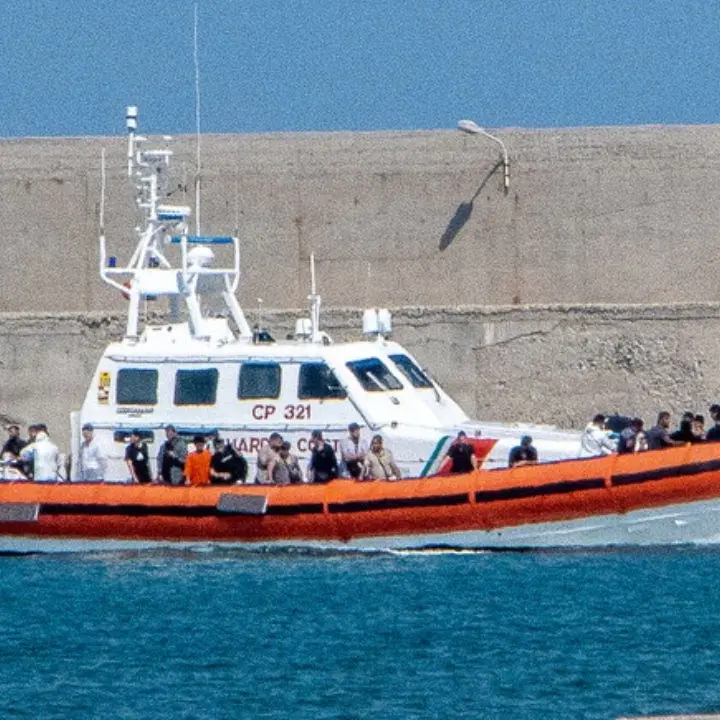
(604, 435)
(38, 458)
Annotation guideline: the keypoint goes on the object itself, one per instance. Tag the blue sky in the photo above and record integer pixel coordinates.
(71, 66)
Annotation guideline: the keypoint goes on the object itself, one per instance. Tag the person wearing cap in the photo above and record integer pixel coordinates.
(197, 463)
(227, 466)
(266, 458)
(137, 459)
(523, 454)
(352, 451)
(93, 462)
(461, 454)
(287, 470)
(595, 439)
(171, 458)
(323, 465)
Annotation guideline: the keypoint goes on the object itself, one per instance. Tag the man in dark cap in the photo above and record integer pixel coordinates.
(323, 465)
(171, 458)
(353, 450)
(523, 454)
(227, 466)
(197, 463)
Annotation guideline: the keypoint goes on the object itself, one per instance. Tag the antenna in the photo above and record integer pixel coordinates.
(197, 123)
(314, 302)
(131, 121)
(102, 192)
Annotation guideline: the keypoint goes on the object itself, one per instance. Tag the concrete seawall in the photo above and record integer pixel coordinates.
(594, 215)
(502, 296)
(548, 364)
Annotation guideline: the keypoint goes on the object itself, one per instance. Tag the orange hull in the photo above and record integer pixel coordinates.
(345, 510)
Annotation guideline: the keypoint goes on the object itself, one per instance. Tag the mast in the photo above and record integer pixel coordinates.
(167, 260)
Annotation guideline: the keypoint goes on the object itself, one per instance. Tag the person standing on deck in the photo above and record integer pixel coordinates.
(267, 457)
(136, 458)
(353, 450)
(43, 455)
(287, 470)
(523, 454)
(380, 463)
(171, 458)
(93, 462)
(658, 437)
(462, 454)
(323, 466)
(197, 463)
(595, 439)
(14, 444)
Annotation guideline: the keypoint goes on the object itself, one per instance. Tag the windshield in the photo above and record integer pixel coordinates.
(411, 371)
(374, 375)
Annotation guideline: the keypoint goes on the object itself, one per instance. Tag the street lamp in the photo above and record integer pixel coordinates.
(473, 128)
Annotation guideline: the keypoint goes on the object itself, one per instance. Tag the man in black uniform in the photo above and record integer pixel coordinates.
(523, 454)
(227, 466)
(323, 465)
(462, 454)
(136, 457)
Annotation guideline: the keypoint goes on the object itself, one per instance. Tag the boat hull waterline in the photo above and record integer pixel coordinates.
(665, 497)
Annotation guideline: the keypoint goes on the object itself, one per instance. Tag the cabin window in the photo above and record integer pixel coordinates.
(317, 380)
(374, 375)
(136, 386)
(123, 436)
(259, 380)
(196, 387)
(411, 371)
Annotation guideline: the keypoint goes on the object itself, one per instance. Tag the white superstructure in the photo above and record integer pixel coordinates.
(208, 375)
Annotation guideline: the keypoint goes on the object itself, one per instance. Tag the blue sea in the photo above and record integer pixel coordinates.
(315, 636)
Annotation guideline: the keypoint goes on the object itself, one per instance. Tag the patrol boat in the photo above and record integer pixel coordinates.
(210, 375)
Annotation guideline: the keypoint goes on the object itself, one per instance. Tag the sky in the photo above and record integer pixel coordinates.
(71, 66)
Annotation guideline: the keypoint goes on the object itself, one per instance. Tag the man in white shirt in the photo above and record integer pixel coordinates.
(353, 450)
(93, 462)
(595, 439)
(43, 453)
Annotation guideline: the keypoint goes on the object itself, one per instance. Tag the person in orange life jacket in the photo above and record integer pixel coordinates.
(136, 458)
(197, 464)
(323, 466)
(462, 454)
(353, 450)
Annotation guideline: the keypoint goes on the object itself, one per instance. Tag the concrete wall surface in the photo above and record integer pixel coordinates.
(594, 215)
(555, 364)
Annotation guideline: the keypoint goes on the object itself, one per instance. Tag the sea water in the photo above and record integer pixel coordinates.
(314, 636)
